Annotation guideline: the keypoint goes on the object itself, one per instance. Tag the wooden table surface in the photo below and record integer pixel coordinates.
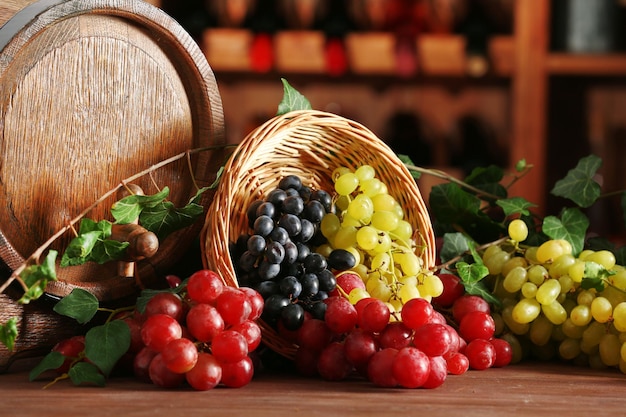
(527, 389)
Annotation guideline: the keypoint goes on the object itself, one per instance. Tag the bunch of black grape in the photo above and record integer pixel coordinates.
(277, 258)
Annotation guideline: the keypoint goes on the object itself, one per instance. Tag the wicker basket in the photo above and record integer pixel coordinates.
(309, 144)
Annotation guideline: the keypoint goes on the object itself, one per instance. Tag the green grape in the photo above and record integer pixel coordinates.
(609, 349)
(567, 284)
(513, 325)
(357, 294)
(581, 315)
(601, 309)
(361, 270)
(595, 362)
(614, 295)
(361, 208)
(408, 292)
(619, 317)
(330, 225)
(619, 278)
(526, 310)
(622, 352)
(339, 171)
(583, 255)
(346, 184)
(384, 202)
(495, 263)
(324, 250)
(571, 330)
(585, 297)
(531, 255)
(358, 255)
(404, 231)
(371, 187)
(349, 221)
(555, 312)
(367, 237)
(560, 266)
(410, 263)
(602, 257)
(378, 287)
(431, 285)
(529, 290)
(385, 220)
(569, 349)
(548, 251)
(345, 238)
(365, 172)
(537, 274)
(381, 261)
(557, 334)
(576, 271)
(591, 337)
(383, 245)
(518, 230)
(514, 280)
(399, 211)
(490, 251)
(513, 262)
(567, 247)
(548, 291)
(342, 202)
(516, 347)
(540, 331)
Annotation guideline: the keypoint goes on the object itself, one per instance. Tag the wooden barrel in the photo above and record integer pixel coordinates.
(91, 93)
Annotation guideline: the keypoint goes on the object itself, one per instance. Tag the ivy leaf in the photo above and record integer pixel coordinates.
(623, 203)
(454, 244)
(572, 227)
(8, 333)
(451, 204)
(129, 208)
(471, 276)
(36, 277)
(515, 205)
(579, 185)
(80, 305)
(165, 218)
(79, 249)
(148, 293)
(595, 276)
(292, 100)
(105, 344)
(51, 361)
(86, 373)
(406, 160)
(488, 179)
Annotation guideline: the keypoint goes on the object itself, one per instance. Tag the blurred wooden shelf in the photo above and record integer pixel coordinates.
(586, 64)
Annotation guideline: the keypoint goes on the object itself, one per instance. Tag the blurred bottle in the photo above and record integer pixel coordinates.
(264, 21)
(336, 27)
(230, 13)
(477, 29)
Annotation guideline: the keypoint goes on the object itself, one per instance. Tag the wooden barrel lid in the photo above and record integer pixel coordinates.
(93, 92)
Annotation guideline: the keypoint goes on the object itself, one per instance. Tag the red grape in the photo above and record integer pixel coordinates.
(70, 348)
(206, 374)
(332, 363)
(438, 372)
(204, 322)
(341, 316)
(165, 303)
(141, 364)
(396, 335)
(380, 368)
(256, 302)
(360, 346)
(305, 361)
(251, 331)
(160, 329)
(314, 335)
(457, 363)
(411, 367)
(452, 289)
(229, 346)
(161, 376)
(416, 312)
(477, 325)
(504, 352)
(481, 354)
(180, 355)
(237, 374)
(374, 316)
(233, 305)
(433, 339)
(204, 286)
(467, 303)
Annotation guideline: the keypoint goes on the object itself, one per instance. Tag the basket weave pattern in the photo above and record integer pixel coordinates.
(310, 144)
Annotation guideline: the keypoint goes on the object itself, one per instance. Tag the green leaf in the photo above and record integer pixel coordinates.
(108, 250)
(406, 160)
(36, 277)
(521, 165)
(147, 293)
(51, 361)
(572, 227)
(79, 249)
(8, 333)
(165, 218)
(471, 276)
(454, 244)
(215, 183)
(579, 185)
(451, 204)
(488, 179)
(86, 373)
(515, 205)
(129, 208)
(105, 344)
(292, 100)
(80, 305)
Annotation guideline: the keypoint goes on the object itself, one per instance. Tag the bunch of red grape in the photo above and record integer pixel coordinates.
(416, 350)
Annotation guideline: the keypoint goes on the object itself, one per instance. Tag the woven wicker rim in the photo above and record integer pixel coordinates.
(310, 144)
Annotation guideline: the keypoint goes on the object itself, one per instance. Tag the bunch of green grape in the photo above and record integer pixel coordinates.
(370, 223)
(557, 304)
